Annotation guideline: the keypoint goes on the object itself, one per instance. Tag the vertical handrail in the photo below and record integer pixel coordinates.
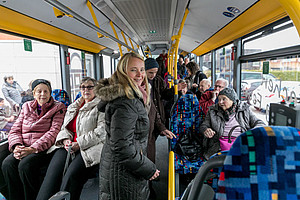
(171, 178)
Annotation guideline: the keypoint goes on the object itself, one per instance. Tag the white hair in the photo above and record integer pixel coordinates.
(207, 81)
(224, 80)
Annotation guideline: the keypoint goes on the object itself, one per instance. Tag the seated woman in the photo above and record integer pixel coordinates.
(222, 117)
(29, 139)
(84, 130)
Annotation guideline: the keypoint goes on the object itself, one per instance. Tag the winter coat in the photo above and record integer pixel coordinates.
(5, 112)
(156, 127)
(90, 129)
(205, 101)
(215, 120)
(12, 93)
(37, 131)
(124, 168)
(160, 92)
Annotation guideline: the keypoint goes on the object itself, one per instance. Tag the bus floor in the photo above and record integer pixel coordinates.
(91, 187)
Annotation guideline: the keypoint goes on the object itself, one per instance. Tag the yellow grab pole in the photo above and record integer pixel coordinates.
(125, 40)
(114, 30)
(292, 7)
(131, 42)
(171, 178)
(89, 5)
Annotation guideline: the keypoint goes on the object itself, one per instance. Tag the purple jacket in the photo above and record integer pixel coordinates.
(37, 131)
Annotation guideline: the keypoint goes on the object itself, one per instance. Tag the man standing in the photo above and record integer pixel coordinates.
(209, 97)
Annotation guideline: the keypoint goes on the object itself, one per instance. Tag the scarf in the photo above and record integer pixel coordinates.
(226, 113)
(144, 93)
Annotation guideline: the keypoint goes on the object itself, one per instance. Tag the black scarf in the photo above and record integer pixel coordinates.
(226, 113)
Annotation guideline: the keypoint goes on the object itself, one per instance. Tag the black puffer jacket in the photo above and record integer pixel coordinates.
(124, 167)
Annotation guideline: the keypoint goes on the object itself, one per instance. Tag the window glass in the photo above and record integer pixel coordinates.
(43, 61)
(107, 66)
(207, 65)
(262, 89)
(81, 65)
(265, 41)
(224, 64)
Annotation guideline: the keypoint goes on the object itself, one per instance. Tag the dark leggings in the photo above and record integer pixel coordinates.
(74, 179)
(23, 176)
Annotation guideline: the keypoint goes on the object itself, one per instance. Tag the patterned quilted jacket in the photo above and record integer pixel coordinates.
(37, 131)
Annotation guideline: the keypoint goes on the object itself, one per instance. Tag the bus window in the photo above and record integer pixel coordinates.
(107, 66)
(207, 65)
(42, 60)
(224, 64)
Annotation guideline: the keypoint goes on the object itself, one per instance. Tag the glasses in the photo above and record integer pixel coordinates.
(90, 87)
(216, 86)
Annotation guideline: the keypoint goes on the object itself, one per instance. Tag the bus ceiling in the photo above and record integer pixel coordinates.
(142, 22)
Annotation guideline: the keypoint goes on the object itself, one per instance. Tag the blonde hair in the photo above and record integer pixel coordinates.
(120, 76)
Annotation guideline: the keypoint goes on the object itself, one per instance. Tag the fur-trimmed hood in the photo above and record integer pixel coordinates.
(107, 91)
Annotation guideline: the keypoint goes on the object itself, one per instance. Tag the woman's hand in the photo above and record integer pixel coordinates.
(155, 175)
(67, 143)
(75, 147)
(168, 134)
(209, 133)
(21, 151)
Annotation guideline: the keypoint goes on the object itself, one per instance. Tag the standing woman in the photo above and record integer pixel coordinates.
(195, 76)
(83, 130)
(31, 136)
(124, 168)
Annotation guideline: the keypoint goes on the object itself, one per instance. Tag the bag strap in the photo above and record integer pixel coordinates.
(232, 129)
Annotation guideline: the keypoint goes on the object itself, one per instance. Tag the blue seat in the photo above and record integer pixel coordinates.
(61, 96)
(186, 117)
(263, 163)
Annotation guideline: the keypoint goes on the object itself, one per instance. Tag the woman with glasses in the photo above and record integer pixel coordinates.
(83, 131)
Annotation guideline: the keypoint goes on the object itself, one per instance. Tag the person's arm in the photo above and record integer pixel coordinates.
(95, 136)
(15, 135)
(162, 128)
(205, 124)
(122, 129)
(48, 139)
(7, 97)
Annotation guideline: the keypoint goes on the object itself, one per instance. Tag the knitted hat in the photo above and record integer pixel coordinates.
(151, 63)
(230, 93)
(39, 81)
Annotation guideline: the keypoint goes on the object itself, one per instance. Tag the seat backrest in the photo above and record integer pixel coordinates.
(263, 163)
(185, 118)
(61, 96)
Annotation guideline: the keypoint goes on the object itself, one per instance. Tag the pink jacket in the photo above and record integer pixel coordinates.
(37, 131)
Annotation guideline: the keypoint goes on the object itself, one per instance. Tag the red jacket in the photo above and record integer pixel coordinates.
(37, 131)
(205, 101)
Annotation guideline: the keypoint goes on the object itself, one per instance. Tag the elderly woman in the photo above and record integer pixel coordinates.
(222, 117)
(32, 134)
(83, 130)
(125, 168)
